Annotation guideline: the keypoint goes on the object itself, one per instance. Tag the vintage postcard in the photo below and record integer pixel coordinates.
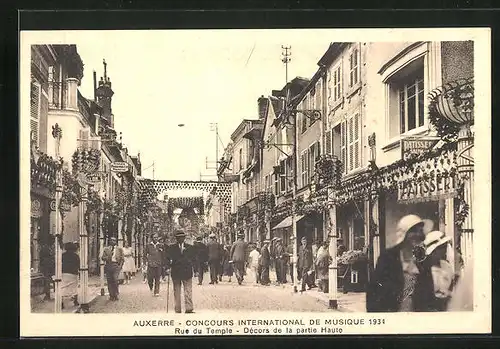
(255, 182)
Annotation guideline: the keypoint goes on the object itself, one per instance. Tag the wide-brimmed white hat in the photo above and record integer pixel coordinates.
(408, 222)
(434, 239)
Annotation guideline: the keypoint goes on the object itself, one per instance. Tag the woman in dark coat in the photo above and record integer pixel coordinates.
(227, 268)
(400, 283)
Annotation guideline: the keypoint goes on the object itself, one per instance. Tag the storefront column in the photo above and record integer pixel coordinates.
(375, 215)
(465, 160)
(120, 235)
(448, 211)
(101, 249)
(332, 269)
(84, 244)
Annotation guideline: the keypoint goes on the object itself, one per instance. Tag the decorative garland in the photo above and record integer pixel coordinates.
(462, 209)
(86, 160)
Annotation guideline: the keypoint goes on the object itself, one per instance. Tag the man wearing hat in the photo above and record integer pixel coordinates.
(280, 256)
(112, 256)
(201, 257)
(305, 265)
(265, 262)
(214, 258)
(238, 255)
(399, 282)
(179, 258)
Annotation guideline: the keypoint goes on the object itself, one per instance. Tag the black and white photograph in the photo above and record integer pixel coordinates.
(255, 182)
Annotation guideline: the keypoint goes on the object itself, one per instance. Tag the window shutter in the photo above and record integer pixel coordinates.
(318, 95)
(343, 145)
(328, 143)
(302, 169)
(357, 141)
(35, 111)
(350, 153)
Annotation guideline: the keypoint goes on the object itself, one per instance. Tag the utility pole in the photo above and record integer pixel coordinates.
(286, 58)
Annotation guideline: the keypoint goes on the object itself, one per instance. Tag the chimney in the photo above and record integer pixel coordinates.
(95, 85)
(262, 103)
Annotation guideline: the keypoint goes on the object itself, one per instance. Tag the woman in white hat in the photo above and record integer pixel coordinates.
(437, 263)
(398, 284)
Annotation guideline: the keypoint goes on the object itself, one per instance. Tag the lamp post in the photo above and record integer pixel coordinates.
(57, 134)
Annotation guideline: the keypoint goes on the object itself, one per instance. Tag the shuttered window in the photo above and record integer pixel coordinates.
(303, 167)
(350, 147)
(353, 67)
(337, 84)
(328, 142)
(35, 111)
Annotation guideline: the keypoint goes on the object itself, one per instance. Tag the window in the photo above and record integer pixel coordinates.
(337, 84)
(353, 67)
(240, 159)
(35, 111)
(303, 127)
(282, 176)
(411, 102)
(314, 152)
(350, 145)
(276, 184)
(304, 167)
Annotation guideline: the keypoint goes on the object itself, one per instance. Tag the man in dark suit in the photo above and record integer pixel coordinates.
(179, 258)
(113, 258)
(154, 256)
(214, 258)
(239, 256)
(201, 257)
(265, 263)
(305, 265)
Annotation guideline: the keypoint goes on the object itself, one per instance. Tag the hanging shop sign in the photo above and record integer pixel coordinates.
(430, 189)
(413, 146)
(119, 167)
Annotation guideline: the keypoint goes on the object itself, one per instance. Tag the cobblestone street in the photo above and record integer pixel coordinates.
(136, 298)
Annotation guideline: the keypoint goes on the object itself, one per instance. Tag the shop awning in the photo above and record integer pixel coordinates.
(287, 222)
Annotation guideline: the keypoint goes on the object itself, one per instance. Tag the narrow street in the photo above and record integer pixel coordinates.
(136, 298)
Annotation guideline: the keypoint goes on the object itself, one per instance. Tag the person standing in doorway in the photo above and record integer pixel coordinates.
(201, 258)
(305, 265)
(179, 259)
(154, 256)
(238, 255)
(113, 259)
(214, 258)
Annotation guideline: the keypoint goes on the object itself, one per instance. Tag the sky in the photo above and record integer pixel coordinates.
(164, 78)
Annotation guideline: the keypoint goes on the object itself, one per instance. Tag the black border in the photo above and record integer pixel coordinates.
(121, 19)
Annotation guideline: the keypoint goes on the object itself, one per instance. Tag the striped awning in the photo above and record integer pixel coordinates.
(287, 222)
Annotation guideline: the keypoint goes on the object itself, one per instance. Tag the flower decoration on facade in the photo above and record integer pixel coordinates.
(328, 170)
(86, 161)
(352, 257)
(462, 208)
(450, 106)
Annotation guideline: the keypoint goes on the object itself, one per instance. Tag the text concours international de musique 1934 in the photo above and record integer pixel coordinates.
(266, 327)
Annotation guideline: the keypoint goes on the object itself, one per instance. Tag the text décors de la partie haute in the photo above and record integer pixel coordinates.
(259, 326)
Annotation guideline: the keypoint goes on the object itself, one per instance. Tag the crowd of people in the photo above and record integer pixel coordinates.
(417, 274)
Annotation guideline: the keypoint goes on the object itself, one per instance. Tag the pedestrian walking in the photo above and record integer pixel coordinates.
(70, 271)
(113, 261)
(227, 267)
(214, 258)
(253, 263)
(399, 283)
(144, 270)
(154, 256)
(180, 259)
(201, 258)
(272, 257)
(439, 254)
(322, 264)
(305, 265)
(129, 263)
(265, 262)
(238, 255)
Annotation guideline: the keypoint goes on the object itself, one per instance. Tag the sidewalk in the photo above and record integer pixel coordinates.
(40, 306)
(352, 302)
